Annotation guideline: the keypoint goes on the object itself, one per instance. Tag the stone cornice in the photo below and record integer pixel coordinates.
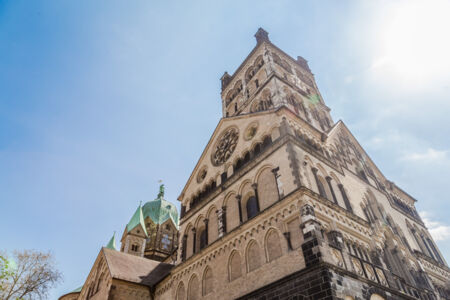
(283, 209)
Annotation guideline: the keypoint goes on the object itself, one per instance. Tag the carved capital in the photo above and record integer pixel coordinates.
(307, 210)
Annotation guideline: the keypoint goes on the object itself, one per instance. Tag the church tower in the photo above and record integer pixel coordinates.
(271, 81)
(285, 203)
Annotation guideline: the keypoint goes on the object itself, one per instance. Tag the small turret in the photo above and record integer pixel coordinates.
(112, 242)
(225, 79)
(135, 234)
(261, 35)
(303, 63)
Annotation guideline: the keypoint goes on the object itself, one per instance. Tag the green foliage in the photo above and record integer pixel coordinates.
(5, 271)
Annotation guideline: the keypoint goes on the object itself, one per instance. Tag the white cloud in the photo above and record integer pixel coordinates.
(438, 230)
(348, 79)
(398, 58)
(431, 155)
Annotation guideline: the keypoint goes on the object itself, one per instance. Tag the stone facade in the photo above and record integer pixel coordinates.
(284, 203)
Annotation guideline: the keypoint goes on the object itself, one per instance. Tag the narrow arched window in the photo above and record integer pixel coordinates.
(207, 281)
(194, 288)
(321, 188)
(203, 239)
(252, 207)
(257, 149)
(246, 158)
(181, 293)
(238, 164)
(266, 142)
(436, 253)
(273, 246)
(234, 266)
(253, 256)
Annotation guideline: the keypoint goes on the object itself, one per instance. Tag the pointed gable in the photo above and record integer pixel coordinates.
(265, 122)
(137, 220)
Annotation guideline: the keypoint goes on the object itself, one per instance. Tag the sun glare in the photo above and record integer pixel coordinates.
(415, 43)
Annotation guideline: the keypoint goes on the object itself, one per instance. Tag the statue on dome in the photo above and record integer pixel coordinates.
(161, 191)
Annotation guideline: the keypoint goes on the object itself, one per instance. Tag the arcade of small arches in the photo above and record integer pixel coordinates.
(240, 161)
(328, 186)
(374, 211)
(265, 102)
(252, 80)
(258, 147)
(238, 207)
(287, 67)
(426, 244)
(251, 259)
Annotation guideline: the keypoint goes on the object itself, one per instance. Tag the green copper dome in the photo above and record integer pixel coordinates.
(160, 210)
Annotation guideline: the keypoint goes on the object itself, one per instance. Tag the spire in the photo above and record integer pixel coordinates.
(261, 35)
(112, 242)
(137, 219)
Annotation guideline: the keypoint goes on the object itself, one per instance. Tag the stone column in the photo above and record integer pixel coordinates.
(255, 188)
(277, 176)
(183, 247)
(194, 242)
(222, 221)
(206, 230)
(239, 199)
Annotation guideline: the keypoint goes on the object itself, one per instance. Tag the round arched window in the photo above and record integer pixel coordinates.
(252, 207)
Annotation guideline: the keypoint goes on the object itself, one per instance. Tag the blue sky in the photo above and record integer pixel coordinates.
(101, 99)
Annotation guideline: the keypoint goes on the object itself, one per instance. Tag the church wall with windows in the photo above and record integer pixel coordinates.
(315, 162)
(283, 203)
